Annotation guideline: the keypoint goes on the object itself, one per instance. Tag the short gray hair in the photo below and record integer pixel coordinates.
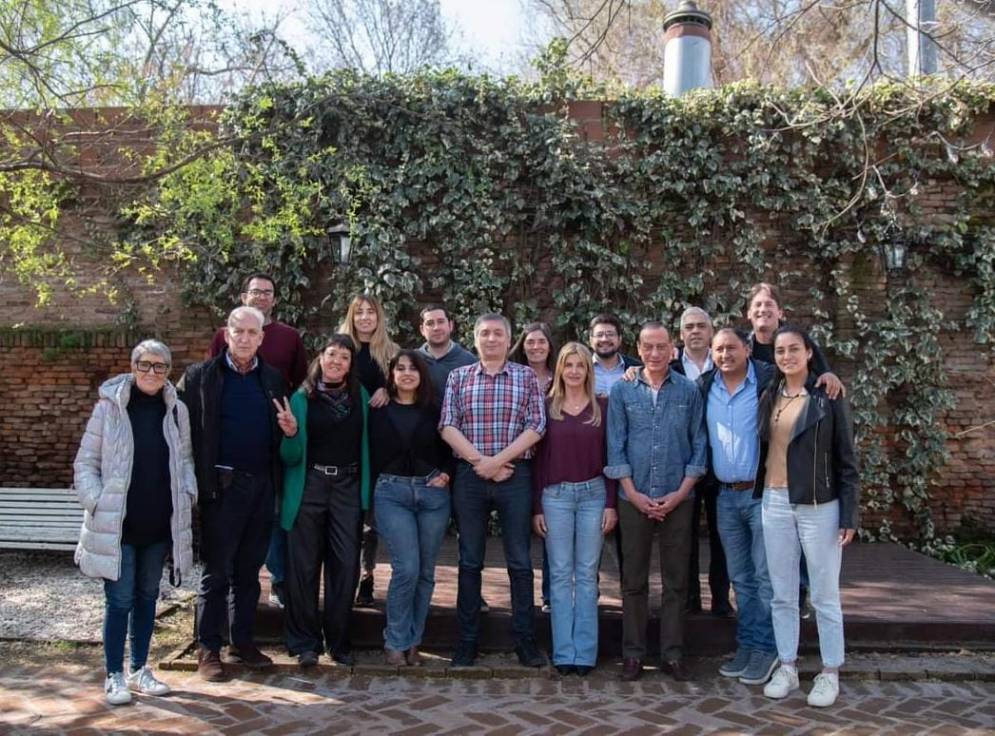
(151, 346)
(239, 312)
(492, 317)
(694, 310)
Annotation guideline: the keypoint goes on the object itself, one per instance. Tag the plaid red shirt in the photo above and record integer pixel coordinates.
(492, 411)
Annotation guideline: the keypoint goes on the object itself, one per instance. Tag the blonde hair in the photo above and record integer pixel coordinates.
(558, 389)
(382, 348)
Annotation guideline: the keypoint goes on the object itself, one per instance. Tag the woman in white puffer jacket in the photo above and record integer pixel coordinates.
(134, 477)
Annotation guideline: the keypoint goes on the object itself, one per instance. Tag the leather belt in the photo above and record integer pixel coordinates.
(335, 470)
(743, 485)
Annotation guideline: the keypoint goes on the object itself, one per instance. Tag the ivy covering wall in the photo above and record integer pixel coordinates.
(484, 193)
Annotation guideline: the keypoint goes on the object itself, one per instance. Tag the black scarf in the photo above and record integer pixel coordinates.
(336, 398)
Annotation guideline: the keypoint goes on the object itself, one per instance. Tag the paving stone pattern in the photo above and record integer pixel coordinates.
(69, 700)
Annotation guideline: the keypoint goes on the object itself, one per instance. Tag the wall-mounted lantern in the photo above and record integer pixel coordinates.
(894, 251)
(338, 239)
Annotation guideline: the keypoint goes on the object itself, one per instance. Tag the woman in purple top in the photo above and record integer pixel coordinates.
(574, 507)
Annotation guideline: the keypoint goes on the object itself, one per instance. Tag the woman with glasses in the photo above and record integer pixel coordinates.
(134, 477)
(808, 480)
(412, 465)
(574, 507)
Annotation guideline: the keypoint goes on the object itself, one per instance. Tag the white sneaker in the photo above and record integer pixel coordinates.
(784, 681)
(825, 691)
(145, 682)
(116, 689)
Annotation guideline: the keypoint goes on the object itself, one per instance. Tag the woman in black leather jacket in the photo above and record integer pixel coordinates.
(808, 479)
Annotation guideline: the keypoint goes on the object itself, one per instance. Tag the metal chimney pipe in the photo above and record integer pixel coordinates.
(687, 51)
(920, 16)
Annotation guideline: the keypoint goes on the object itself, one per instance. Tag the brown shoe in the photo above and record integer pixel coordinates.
(394, 658)
(676, 669)
(249, 656)
(414, 657)
(209, 665)
(632, 669)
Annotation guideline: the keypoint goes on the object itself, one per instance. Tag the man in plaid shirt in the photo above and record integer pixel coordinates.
(492, 415)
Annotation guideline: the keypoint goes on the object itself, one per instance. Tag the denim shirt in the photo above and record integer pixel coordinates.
(656, 444)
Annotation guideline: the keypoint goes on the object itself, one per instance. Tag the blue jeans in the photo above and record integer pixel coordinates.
(412, 518)
(573, 514)
(788, 530)
(473, 499)
(740, 523)
(276, 557)
(129, 605)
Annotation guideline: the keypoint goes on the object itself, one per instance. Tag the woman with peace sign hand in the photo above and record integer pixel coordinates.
(326, 488)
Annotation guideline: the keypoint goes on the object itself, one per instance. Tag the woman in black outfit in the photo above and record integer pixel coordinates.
(366, 323)
(411, 465)
(326, 488)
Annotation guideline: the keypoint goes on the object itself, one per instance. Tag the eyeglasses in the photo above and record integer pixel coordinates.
(260, 292)
(144, 366)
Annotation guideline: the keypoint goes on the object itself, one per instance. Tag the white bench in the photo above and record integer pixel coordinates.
(39, 518)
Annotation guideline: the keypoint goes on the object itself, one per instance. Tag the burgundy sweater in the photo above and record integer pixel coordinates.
(571, 452)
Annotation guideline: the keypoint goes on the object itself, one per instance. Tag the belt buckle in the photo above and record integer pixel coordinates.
(326, 468)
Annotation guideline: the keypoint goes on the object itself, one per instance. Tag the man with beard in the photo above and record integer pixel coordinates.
(609, 364)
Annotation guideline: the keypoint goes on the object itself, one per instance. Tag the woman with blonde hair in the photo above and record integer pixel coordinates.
(574, 506)
(366, 323)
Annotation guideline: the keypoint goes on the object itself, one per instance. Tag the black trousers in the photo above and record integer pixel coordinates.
(718, 574)
(235, 532)
(325, 532)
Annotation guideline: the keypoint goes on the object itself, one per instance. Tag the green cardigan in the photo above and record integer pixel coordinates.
(293, 452)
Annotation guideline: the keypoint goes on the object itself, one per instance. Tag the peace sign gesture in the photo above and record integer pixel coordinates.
(285, 418)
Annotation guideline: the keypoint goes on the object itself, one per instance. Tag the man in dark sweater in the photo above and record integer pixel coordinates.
(282, 349)
(236, 446)
(440, 351)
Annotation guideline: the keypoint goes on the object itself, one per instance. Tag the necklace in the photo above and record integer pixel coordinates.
(782, 405)
(575, 408)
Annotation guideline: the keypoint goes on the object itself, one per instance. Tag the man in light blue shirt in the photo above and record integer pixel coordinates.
(610, 364)
(732, 394)
(657, 451)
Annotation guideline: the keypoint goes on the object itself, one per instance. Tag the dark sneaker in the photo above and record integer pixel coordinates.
(566, 669)
(465, 655)
(307, 659)
(364, 598)
(762, 666)
(529, 654)
(737, 665)
(249, 656)
(209, 665)
(583, 669)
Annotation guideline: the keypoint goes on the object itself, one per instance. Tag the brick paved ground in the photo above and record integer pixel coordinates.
(68, 700)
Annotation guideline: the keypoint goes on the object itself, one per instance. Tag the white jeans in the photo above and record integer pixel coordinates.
(788, 529)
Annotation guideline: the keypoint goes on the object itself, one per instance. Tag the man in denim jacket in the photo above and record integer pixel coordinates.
(657, 451)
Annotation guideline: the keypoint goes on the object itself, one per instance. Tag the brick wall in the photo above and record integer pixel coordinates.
(51, 370)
